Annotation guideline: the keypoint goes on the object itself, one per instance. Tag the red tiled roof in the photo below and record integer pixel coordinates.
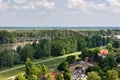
(103, 52)
(93, 63)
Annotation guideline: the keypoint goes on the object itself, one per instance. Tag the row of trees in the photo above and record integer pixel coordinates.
(17, 36)
(21, 35)
(102, 32)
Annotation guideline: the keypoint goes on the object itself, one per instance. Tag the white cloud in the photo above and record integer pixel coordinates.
(35, 4)
(77, 3)
(19, 1)
(29, 6)
(113, 2)
(16, 7)
(82, 5)
(4, 6)
(43, 13)
(45, 3)
(75, 13)
(13, 14)
(1, 1)
(111, 6)
(88, 7)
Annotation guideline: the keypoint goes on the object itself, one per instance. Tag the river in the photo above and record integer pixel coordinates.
(14, 45)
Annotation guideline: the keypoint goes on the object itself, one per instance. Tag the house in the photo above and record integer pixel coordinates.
(103, 53)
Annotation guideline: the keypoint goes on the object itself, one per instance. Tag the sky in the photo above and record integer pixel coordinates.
(59, 12)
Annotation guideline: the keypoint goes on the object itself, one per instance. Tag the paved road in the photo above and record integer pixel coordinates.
(77, 53)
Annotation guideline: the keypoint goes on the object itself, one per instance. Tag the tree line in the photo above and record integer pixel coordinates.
(26, 35)
(49, 47)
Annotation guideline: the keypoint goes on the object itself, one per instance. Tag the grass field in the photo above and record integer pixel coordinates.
(52, 64)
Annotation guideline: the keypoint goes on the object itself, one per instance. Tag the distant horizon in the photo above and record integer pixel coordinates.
(32, 26)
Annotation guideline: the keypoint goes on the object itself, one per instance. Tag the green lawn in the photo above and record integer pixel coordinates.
(52, 64)
(6, 75)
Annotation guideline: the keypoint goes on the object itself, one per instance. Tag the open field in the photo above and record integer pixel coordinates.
(52, 63)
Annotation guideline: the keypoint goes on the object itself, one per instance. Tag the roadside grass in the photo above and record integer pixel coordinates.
(6, 75)
(52, 65)
(35, 60)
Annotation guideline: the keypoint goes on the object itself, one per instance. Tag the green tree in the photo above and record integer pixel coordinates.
(16, 58)
(117, 69)
(49, 77)
(107, 63)
(2, 58)
(109, 46)
(27, 52)
(38, 53)
(40, 70)
(59, 76)
(45, 45)
(93, 76)
(116, 44)
(118, 59)
(71, 59)
(34, 45)
(95, 69)
(63, 66)
(44, 69)
(67, 75)
(6, 37)
(31, 70)
(86, 52)
(19, 49)
(33, 77)
(112, 75)
(56, 47)
(62, 52)
(28, 68)
(19, 77)
(10, 57)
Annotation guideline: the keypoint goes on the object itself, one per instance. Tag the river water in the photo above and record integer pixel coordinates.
(14, 45)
